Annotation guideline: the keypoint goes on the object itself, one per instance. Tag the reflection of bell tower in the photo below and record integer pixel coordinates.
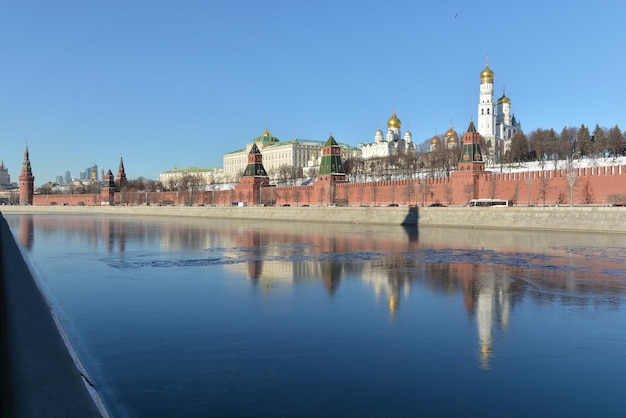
(331, 275)
(26, 181)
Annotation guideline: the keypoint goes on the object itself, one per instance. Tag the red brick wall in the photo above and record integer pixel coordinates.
(600, 182)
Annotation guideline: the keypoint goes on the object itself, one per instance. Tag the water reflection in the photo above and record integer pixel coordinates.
(489, 272)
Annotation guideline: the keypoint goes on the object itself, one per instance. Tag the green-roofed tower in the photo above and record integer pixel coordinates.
(471, 155)
(331, 160)
(255, 163)
(253, 180)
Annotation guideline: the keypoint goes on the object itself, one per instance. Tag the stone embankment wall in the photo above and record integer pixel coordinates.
(592, 219)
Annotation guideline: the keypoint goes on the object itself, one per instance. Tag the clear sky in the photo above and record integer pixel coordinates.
(169, 83)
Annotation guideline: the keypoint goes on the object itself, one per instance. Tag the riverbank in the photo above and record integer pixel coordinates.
(40, 374)
(557, 218)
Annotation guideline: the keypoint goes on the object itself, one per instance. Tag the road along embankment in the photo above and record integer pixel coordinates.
(557, 218)
(40, 374)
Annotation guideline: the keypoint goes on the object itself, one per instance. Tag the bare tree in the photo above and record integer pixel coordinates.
(297, 195)
(519, 148)
(587, 193)
(493, 186)
(447, 190)
(469, 191)
(543, 187)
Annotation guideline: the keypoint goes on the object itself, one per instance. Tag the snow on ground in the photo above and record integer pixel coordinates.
(561, 165)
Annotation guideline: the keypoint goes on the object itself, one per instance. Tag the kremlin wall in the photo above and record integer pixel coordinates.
(592, 185)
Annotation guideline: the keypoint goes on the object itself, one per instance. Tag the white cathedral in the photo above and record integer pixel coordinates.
(496, 122)
(393, 143)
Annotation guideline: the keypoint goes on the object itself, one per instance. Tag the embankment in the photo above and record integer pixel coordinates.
(559, 218)
(39, 375)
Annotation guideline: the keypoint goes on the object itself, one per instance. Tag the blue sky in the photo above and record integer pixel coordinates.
(179, 83)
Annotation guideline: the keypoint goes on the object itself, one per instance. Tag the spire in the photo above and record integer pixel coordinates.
(120, 179)
(26, 169)
(26, 181)
(255, 163)
(471, 127)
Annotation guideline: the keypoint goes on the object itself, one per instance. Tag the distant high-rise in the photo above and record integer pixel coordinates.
(68, 177)
(5, 179)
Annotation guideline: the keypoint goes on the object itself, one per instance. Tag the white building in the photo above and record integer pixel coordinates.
(496, 122)
(391, 143)
(206, 176)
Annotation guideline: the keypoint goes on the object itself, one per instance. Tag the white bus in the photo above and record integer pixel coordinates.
(491, 202)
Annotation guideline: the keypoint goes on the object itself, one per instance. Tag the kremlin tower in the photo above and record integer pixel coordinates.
(27, 181)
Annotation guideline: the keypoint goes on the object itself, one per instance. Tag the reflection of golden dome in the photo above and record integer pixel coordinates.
(393, 121)
(435, 140)
(504, 99)
(451, 136)
(487, 75)
(393, 301)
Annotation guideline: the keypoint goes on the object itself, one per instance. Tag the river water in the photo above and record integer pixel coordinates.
(178, 317)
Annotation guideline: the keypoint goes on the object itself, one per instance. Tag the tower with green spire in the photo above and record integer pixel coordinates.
(330, 173)
(331, 167)
(471, 156)
(254, 179)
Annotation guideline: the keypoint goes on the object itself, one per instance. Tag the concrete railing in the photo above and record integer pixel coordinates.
(41, 375)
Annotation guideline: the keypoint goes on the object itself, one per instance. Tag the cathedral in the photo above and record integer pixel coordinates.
(391, 143)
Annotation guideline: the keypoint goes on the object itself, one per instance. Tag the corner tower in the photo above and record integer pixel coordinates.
(26, 181)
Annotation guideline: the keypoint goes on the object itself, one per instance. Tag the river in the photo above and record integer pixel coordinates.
(187, 317)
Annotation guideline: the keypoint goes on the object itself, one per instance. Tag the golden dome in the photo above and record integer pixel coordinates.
(435, 140)
(451, 136)
(393, 121)
(266, 133)
(504, 99)
(486, 76)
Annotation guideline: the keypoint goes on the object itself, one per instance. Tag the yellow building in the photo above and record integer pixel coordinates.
(294, 153)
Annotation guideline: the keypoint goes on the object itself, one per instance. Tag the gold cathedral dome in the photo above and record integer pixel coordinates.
(435, 140)
(504, 99)
(393, 121)
(451, 137)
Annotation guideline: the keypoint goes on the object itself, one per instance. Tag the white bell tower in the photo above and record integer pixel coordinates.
(486, 106)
